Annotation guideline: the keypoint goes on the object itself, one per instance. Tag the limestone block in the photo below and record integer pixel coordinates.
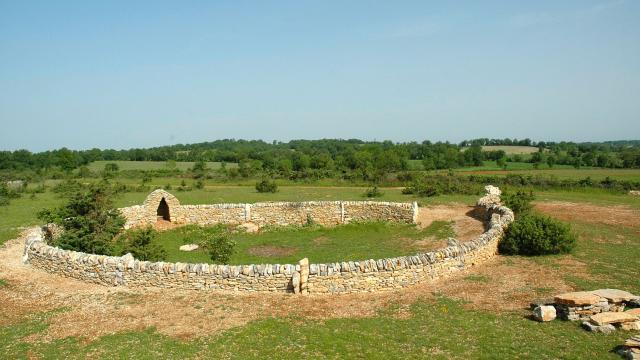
(612, 318)
(544, 313)
(614, 295)
(577, 298)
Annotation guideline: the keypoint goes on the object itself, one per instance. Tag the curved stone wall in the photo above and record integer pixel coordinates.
(343, 277)
(325, 213)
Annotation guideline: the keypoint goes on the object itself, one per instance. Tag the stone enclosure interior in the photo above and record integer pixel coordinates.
(363, 275)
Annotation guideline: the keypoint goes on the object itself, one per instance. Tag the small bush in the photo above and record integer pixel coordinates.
(533, 234)
(266, 186)
(141, 243)
(519, 202)
(373, 192)
(211, 239)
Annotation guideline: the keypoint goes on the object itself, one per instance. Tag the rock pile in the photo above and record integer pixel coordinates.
(580, 305)
(600, 310)
(631, 348)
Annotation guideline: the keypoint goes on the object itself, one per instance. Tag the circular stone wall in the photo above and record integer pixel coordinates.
(341, 277)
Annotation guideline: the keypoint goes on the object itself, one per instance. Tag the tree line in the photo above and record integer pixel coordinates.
(328, 157)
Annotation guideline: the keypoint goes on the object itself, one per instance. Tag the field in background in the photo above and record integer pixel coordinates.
(511, 150)
(153, 165)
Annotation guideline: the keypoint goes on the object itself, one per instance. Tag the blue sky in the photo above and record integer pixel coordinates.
(135, 74)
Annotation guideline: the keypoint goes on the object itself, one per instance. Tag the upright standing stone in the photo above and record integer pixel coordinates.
(304, 275)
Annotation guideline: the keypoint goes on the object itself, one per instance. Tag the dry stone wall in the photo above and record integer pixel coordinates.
(325, 213)
(340, 277)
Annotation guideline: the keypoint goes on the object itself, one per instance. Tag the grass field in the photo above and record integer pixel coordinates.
(429, 324)
(319, 244)
(511, 150)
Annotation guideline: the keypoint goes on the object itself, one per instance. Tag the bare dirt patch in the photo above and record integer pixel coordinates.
(430, 243)
(506, 284)
(468, 222)
(619, 215)
(271, 251)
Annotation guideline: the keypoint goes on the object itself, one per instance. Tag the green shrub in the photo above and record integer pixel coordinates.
(519, 202)
(212, 239)
(89, 220)
(373, 192)
(266, 186)
(533, 234)
(141, 243)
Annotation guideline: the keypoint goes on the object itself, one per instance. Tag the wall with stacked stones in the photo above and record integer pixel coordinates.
(271, 213)
(343, 277)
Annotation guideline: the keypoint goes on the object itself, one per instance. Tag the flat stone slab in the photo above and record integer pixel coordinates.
(578, 298)
(633, 341)
(615, 295)
(612, 318)
(635, 312)
(189, 247)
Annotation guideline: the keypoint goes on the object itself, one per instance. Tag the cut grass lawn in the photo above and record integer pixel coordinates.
(357, 241)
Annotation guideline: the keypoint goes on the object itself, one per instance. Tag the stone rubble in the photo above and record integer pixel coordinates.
(600, 310)
(631, 348)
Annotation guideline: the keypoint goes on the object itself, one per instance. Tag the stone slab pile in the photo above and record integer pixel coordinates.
(631, 348)
(580, 305)
(601, 310)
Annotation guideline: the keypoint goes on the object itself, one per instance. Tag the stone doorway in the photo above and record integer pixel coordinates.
(163, 211)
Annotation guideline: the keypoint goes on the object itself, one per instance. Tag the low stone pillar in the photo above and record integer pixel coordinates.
(304, 276)
(247, 212)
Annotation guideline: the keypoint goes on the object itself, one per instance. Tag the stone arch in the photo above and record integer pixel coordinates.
(161, 204)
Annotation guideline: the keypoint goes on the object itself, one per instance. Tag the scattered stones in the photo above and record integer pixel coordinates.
(612, 318)
(631, 348)
(544, 313)
(189, 247)
(605, 329)
(634, 192)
